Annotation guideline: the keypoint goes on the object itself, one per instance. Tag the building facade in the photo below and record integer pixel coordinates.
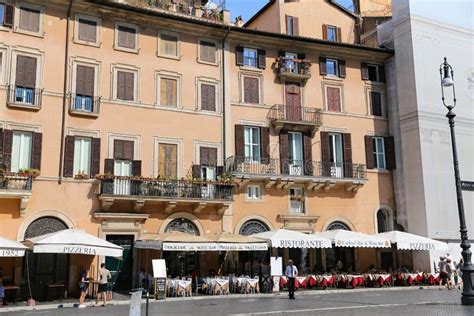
(132, 118)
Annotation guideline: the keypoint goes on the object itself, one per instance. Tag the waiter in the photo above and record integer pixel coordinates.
(291, 272)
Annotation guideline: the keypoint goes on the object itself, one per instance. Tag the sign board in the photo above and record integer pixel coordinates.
(276, 284)
(135, 303)
(11, 253)
(467, 185)
(198, 246)
(276, 266)
(160, 289)
(159, 268)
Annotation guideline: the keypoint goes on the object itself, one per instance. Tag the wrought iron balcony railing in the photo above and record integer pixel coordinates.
(166, 189)
(190, 7)
(15, 181)
(295, 114)
(24, 96)
(84, 104)
(294, 68)
(294, 168)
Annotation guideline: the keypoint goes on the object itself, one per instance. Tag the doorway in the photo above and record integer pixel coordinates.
(121, 270)
(336, 155)
(293, 101)
(295, 143)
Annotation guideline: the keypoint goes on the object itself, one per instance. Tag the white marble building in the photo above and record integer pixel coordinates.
(424, 179)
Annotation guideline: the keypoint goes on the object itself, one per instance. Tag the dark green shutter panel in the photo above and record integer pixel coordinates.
(364, 70)
(381, 73)
(325, 155)
(95, 156)
(322, 66)
(308, 154)
(261, 59)
(284, 153)
(136, 168)
(346, 139)
(390, 153)
(342, 68)
(239, 56)
(369, 152)
(9, 15)
(196, 171)
(68, 169)
(240, 140)
(109, 166)
(265, 144)
(36, 151)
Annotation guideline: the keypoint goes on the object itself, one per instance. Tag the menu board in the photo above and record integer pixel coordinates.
(277, 266)
(159, 268)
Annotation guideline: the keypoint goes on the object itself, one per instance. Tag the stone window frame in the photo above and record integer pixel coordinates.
(96, 19)
(252, 200)
(168, 75)
(375, 88)
(259, 76)
(305, 202)
(209, 81)
(137, 36)
(206, 39)
(337, 85)
(157, 140)
(82, 61)
(116, 67)
(16, 19)
(178, 45)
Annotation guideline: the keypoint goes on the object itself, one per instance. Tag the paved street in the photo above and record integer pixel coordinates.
(404, 302)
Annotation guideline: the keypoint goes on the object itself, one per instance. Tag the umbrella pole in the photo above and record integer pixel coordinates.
(28, 275)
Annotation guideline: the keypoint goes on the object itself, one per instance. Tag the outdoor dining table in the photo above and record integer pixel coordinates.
(300, 281)
(433, 278)
(353, 280)
(382, 279)
(220, 286)
(414, 277)
(326, 280)
(179, 287)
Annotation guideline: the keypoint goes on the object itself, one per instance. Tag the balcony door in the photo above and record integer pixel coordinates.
(208, 173)
(290, 64)
(122, 168)
(295, 146)
(293, 101)
(336, 155)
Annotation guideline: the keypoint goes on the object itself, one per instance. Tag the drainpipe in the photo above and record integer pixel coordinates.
(224, 97)
(63, 119)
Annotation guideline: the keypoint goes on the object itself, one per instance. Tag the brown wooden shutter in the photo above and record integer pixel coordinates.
(342, 68)
(322, 66)
(369, 152)
(7, 149)
(239, 56)
(364, 70)
(262, 59)
(212, 156)
(9, 15)
(284, 153)
(118, 149)
(196, 171)
(265, 144)
(390, 153)
(308, 154)
(129, 86)
(325, 155)
(26, 71)
(29, 19)
(381, 73)
(121, 85)
(251, 90)
(36, 151)
(126, 37)
(333, 97)
(136, 168)
(240, 140)
(207, 51)
(208, 97)
(339, 35)
(296, 26)
(128, 150)
(68, 170)
(219, 171)
(123, 149)
(95, 156)
(109, 166)
(325, 32)
(87, 30)
(85, 80)
(204, 156)
(347, 155)
(1, 148)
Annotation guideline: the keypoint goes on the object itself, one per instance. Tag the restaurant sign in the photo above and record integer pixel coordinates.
(80, 250)
(242, 247)
(11, 253)
(363, 243)
(171, 246)
(283, 243)
(421, 246)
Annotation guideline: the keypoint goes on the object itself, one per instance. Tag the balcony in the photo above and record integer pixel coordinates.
(194, 8)
(24, 97)
(293, 69)
(170, 193)
(16, 186)
(295, 118)
(280, 174)
(84, 105)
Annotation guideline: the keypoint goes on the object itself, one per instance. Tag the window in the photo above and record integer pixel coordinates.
(253, 192)
(208, 97)
(250, 57)
(29, 19)
(125, 85)
(379, 152)
(168, 160)
(383, 221)
(333, 99)
(169, 92)
(25, 80)
(331, 67)
(85, 83)
(87, 29)
(127, 37)
(168, 45)
(2, 13)
(332, 33)
(123, 157)
(251, 89)
(252, 143)
(336, 155)
(207, 51)
(208, 173)
(82, 155)
(376, 103)
(373, 72)
(292, 25)
(21, 151)
(297, 201)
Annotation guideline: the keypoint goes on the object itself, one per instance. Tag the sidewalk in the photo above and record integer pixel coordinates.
(126, 301)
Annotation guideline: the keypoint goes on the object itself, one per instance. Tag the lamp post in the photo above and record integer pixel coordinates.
(467, 269)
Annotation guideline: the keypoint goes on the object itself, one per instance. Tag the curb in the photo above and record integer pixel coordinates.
(231, 296)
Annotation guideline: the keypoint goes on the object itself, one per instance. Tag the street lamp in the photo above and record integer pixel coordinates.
(447, 80)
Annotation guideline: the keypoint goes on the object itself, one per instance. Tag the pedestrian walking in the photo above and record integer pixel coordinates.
(83, 286)
(291, 272)
(443, 272)
(104, 276)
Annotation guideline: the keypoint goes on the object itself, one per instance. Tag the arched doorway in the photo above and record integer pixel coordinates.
(182, 263)
(340, 258)
(385, 224)
(44, 268)
(249, 261)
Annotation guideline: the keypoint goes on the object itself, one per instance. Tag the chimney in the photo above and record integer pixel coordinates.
(239, 21)
(226, 16)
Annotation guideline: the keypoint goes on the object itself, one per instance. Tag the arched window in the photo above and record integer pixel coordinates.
(338, 225)
(44, 225)
(383, 221)
(182, 225)
(253, 226)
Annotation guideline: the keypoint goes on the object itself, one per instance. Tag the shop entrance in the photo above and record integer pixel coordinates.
(121, 270)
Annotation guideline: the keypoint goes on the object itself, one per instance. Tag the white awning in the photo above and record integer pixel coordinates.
(347, 238)
(11, 248)
(73, 241)
(283, 238)
(407, 241)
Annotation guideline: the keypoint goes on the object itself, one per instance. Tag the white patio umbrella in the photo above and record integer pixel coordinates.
(347, 238)
(283, 238)
(10, 248)
(407, 241)
(73, 241)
